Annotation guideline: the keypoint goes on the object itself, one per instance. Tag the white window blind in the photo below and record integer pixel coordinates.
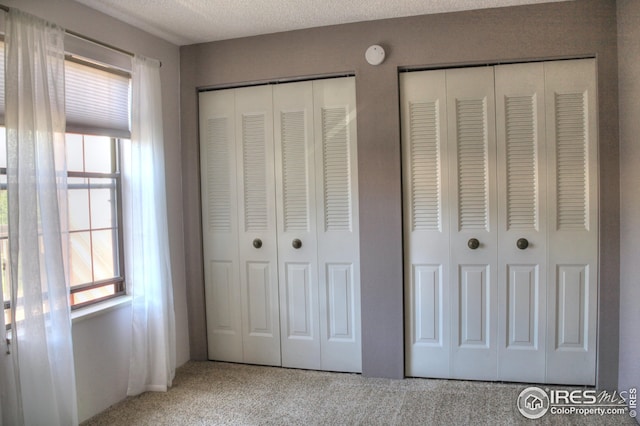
(97, 101)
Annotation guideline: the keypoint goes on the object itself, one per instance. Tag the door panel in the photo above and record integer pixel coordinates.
(428, 309)
(338, 241)
(472, 149)
(474, 306)
(258, 298)
(522, 219)
(522, 325)
(257, 233)
(426, 217)
(573, 222)
(572, 301)
(296, 204)
(298, 307)
(220, 225)
(340, 293)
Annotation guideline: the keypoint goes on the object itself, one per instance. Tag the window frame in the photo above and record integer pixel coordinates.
(119, 281)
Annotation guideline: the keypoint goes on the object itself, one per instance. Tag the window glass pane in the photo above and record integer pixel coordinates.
(4, 264)
(103, 254)
(3, 147)
(78, 200)
(92, 294)
(80, 258)
(97, 154)
(4, 208)
(4, 243)
(74, 153)
(102, 203)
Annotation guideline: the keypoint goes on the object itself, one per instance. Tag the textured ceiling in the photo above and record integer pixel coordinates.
(193, 21)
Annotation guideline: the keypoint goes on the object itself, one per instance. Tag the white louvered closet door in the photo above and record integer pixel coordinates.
(573, 221)
(426, 218)
(220, 225)
(280, 224)
(474, 274)
(522, 222)
(257, 237)
(297, 234)
(337, 219)
(522, 173)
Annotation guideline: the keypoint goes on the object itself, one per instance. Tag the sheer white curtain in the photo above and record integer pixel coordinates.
(147, 262)
(41, 347)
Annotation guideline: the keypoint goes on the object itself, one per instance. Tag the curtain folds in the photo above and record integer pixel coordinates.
(147, 262)
(43, 376)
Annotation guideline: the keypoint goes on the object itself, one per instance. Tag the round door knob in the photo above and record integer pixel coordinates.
(522, 243)
(473, 243)
(296, 243)
(257, 243)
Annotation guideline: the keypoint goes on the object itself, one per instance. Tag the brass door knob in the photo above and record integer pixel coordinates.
(296, 243)
(257, 243)
(473, 243)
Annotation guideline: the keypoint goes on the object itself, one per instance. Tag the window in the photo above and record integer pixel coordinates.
(95, 234)
(97, 109)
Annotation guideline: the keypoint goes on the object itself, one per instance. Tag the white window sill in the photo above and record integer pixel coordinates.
(100, 308)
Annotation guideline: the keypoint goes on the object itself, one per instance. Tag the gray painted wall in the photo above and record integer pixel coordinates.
(554, 30)
(629, 83)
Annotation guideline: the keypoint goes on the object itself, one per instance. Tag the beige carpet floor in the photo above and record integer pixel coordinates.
(215, 393)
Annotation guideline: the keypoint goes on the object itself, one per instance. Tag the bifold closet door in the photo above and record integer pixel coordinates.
(337, 214)
(451, 227)
(426, 222)
(450, 223)
(239, 225)
(280, 224)
(297, 230)
(220, 225)
(572, 134)
(501, 276)
(318, 242)
(522, 221)
(473, 234)
(257, 236)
